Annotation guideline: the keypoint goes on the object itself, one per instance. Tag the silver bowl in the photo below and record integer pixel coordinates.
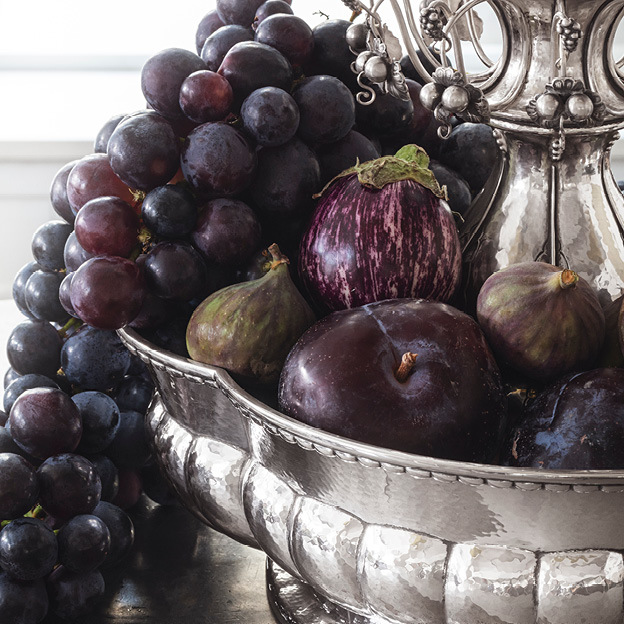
(360, 534)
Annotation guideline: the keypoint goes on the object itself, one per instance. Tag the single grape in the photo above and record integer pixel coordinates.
(459, 195)
(23, 383)
(130, 488)
(28, 549)
(344, 154)
(34, 347)
(19, 286)
(218, 44)
(206, 96)
(109, 476)
(175, 270)
(94, 359)
(93, 177)
(65, 295)
(326, 108)
(161, 78)
(107, 226)
(19, 487)
(331, 55)
(83, 543)
(387, 115)
(7, 445)
(289, 34)
(270, 116)
(238, 11)
(227, 232)
(134, 393)
(250, 65)
(271, 7)
(58, 193)
(42, 296)
(210, 23)
(107, 292)
(171, 336)
(218, 160)
(69, 485)
(121, 531)
(74, 595)
(10, 376)
(169, 211)
(45, 422)
(100, 420)
(48, 243)
(144, 150)
(74, 254)
(154, 312)
(101, 139)
(22, 602)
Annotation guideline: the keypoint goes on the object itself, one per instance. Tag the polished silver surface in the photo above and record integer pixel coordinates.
(383, 535)
(556, 97)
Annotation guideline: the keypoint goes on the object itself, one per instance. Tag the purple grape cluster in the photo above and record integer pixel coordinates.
(175, 202)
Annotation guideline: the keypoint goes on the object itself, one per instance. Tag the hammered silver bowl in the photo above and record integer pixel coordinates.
(360, 534)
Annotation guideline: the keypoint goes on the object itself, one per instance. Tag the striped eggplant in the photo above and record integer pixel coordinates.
(381, 230)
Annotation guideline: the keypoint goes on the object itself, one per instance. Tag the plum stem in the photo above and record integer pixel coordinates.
(568, 278)
(405, 368)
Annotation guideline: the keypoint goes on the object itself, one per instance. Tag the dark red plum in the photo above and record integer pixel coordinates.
(575, 424)
(408, 374)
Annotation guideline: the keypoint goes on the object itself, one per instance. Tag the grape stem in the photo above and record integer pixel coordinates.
(71, 324)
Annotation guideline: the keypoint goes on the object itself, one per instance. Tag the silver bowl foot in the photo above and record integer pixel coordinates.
(294, 602)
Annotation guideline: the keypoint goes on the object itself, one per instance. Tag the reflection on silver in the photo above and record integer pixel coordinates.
(371, 536)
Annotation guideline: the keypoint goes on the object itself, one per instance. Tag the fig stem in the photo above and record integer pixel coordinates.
(278, 256)
(405, 368)
(568, 278)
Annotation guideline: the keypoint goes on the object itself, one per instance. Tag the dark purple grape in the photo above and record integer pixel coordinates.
(251, 65)
(109, 476)
(19, 285)
(48, 243)
(107, 292)
(218, 160)
(153, 313)
(171, 336)
(290, 35)
(101, 139)
(58, 193)
(45, 422)
(22, 602)
(227, 232)
(344, 154)
(210, 23)
(34, 347)
(74, 254)
(42, 296)
(130, 488)
(7, 445)
(23, 383)
(10, 376)
(271, 7)
(144, 150)
(3, 418)
(129, 447)
(94, 359)
(28, 549)
(161, 78)
(83, 543)
(326, 107)
(19, 487)
(472, 151)
(238, 11)
(169, 211)
(220, 42)
(69, 485)
(331, 55)
(270, 116)
(287, 178)
(65, 295)
(100, 420)
(387, 115)
(74, 595)
(93, 177)
(134, 393)
(206, 96)
(138, 368)
(121, 530)
(175, 270)
(107, 226)
(459, 196)
(409, 71)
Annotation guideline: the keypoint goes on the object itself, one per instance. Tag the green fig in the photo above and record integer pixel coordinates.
(249, 328)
